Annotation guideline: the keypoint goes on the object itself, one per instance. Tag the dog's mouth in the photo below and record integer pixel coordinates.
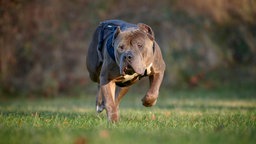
(128, 70)
(131, 67)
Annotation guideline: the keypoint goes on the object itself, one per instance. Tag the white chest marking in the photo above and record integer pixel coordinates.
(149, 69)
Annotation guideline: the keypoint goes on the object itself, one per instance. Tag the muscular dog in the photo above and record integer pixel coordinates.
(120, 54)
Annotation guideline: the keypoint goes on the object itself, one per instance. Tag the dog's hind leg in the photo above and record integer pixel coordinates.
(100, 101)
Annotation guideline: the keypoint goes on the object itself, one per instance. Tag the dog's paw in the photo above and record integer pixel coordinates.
(149, 101)
(100, 108)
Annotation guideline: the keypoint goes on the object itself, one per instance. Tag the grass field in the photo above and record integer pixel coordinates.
(189, 116)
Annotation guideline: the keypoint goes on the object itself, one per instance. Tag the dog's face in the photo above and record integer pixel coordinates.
(134, 49)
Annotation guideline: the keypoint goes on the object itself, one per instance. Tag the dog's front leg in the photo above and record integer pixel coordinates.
(108, 91)
(151, 97)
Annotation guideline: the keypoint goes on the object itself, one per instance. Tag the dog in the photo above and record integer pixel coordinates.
(119, 55)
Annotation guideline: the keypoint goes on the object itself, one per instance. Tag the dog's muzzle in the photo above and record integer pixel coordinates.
(128, 70)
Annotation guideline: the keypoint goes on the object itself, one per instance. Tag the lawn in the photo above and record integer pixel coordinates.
(184, 116)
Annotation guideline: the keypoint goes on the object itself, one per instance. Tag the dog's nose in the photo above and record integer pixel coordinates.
(128, 56)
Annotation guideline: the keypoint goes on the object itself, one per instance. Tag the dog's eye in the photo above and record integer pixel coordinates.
(121, 47)
(139, 45)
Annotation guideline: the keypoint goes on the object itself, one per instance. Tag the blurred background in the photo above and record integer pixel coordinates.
(205, 43)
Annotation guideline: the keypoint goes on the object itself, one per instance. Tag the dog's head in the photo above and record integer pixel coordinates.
(134, 49)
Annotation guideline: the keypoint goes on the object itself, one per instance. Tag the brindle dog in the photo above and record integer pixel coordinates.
(120, 54)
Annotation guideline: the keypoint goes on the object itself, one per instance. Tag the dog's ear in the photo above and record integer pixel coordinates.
(116, 32)
(147, 29)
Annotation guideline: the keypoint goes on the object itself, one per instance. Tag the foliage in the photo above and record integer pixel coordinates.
(43, 43)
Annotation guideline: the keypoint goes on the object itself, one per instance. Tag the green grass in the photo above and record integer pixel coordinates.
(196, 116)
